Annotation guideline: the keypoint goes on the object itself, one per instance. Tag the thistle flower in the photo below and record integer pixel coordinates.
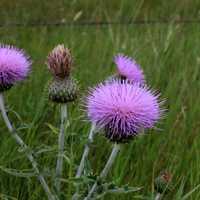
(127, 68)
(59, 62)
(14, 66)
(123, 109)
(63, 88)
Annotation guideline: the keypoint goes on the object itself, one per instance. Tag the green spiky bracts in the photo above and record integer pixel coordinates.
(5, 87)
(63, 88)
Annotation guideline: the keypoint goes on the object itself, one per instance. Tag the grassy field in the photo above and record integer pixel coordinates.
(170, 56)
(94, 10)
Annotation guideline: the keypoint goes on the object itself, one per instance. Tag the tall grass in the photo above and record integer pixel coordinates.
(169, 55)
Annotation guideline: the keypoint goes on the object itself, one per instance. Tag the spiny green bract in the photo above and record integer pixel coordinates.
(4, 87)
(63, 90)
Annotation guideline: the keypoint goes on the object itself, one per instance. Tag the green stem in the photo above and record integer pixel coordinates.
(84, 158)
(158, 196)
(61, 145)
(25, 148)
(106, 169)
(86, 152)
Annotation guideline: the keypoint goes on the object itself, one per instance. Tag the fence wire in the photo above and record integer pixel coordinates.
(100, 23)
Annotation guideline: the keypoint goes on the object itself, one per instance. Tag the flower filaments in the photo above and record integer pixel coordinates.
(63, 88)
(59, 62)
(128, 69)
(122, 109)
(14, 66)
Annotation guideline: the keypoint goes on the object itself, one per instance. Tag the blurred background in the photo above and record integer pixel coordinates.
(162, 36)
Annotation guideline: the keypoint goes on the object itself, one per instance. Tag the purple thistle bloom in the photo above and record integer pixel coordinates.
(123, 109)
(14, 66)
(129, 69)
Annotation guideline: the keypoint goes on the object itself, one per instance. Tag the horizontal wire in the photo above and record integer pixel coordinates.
(100, 23)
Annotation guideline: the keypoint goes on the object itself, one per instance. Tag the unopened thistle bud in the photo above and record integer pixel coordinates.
(59, 62)
(63, 88)
(163, 182)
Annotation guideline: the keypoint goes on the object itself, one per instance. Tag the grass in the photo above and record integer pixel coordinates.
(38, 11)
(169, 55)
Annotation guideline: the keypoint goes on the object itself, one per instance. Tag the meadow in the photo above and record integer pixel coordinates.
(169, 54)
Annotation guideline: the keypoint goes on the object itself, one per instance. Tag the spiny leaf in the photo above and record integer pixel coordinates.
(120, 190)
(19, 173)
(54, 129)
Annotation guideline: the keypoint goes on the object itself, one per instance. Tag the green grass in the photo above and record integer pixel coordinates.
(169, 55)
(22, 11)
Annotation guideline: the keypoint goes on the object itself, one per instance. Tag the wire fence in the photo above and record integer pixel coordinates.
(98, 23)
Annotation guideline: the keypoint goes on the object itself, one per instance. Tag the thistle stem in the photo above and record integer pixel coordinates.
(61, 145)
(25, 148)
(106, 169)
(84, 157)
(158, 196)
(86, 152)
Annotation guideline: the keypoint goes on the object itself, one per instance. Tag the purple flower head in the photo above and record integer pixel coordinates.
(123, 109)
(59, 62)
(14, 66)
(129, 69)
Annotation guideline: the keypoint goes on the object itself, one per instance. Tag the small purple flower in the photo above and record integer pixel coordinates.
(129, 69)
(123, 109)
(59, 62)
(14, 66)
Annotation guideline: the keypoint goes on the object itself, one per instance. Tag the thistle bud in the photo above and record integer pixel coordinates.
(59, 62)
(63, 90)
(163, 182)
